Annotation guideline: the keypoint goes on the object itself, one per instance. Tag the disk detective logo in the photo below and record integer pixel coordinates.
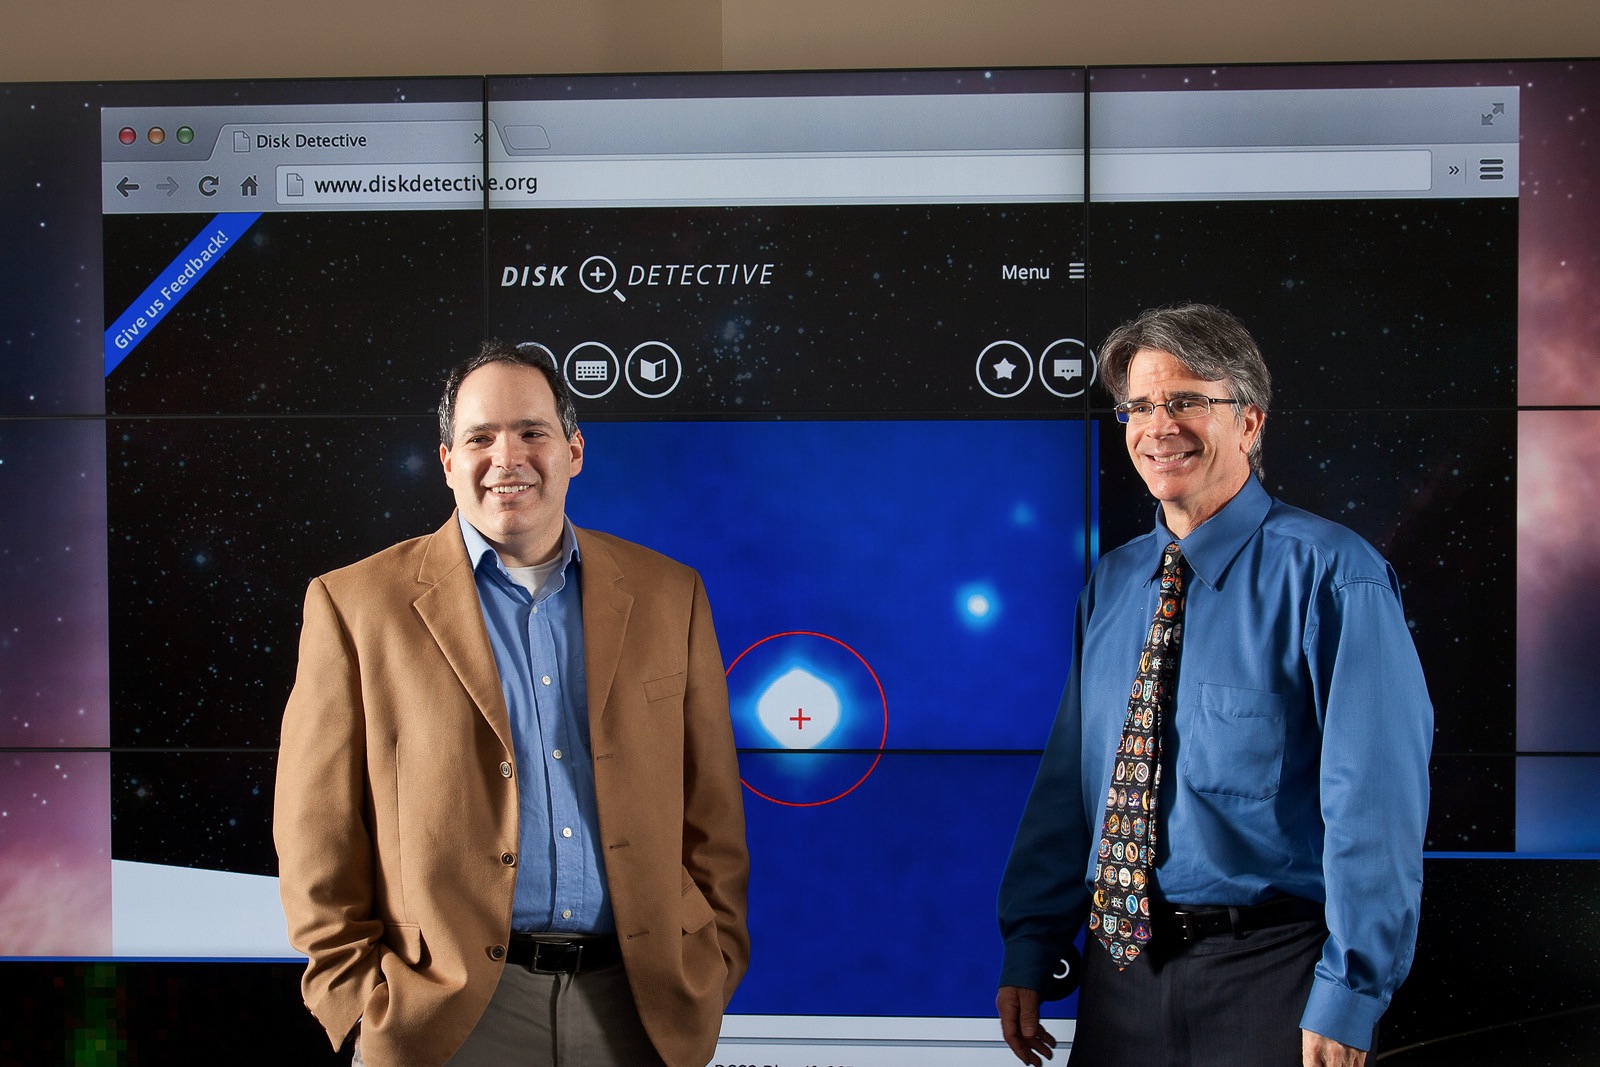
(602, 275)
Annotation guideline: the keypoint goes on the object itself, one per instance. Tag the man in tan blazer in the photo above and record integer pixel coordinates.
(403, 819)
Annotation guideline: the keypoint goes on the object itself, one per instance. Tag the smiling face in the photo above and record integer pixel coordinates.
(1193, 466)
(509, 464)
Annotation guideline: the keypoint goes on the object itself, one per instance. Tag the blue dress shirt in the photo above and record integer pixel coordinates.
(1296, 760)
(538, 647)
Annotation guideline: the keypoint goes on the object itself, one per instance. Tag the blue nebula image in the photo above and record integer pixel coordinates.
(894, 601)
(946, 555)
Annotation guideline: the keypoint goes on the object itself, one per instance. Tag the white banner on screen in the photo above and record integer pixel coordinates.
(869, 1041)
(187, 913)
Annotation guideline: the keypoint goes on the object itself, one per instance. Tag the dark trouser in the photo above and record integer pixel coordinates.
(1222, 1001)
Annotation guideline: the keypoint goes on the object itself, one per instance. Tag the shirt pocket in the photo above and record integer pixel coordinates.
(1235, 748)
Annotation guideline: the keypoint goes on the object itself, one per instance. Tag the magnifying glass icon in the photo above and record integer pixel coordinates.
(598, 275)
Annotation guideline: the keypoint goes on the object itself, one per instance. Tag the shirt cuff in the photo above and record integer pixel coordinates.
(1028, 964)
(1342, 1014)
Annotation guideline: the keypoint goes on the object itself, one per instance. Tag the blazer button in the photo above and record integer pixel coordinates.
(509, 859)
(497, 952)
(505, 770)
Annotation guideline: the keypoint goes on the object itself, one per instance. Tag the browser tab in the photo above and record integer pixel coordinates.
(240, 153)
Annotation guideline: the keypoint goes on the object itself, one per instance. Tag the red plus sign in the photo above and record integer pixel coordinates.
(799, 718)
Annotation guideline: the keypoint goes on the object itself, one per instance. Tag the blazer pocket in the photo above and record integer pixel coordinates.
(704, 966)
(665, 688)
(696, 910)
(1236, 747)
(405, 940)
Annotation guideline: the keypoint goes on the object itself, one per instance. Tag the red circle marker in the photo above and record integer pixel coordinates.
(882, 697)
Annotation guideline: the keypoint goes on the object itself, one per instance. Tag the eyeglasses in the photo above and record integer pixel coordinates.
(1179, 407)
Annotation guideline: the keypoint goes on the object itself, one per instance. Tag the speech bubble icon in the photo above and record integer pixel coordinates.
(1067, 369)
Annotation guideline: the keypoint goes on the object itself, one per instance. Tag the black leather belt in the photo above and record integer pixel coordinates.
(1185, 922)
(542, 956)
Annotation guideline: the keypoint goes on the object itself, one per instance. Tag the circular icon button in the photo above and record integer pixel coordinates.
(592, 370)
(598, 275)
(1067, 367)
(653, 369)
(1004, 369)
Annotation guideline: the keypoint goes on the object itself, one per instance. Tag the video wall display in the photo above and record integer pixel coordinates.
(832, 341)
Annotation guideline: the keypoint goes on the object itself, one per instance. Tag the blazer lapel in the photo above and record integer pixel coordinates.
(606, 606)
(450, 609)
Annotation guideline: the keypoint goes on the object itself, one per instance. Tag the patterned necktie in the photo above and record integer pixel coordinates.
(1121, 915)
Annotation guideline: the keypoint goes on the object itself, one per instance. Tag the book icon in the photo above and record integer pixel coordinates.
(653, 369)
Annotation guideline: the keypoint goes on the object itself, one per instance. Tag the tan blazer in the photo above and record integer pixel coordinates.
(396, 808)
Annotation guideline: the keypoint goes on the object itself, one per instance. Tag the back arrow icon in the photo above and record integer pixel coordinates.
(125, 187)
(169, 186)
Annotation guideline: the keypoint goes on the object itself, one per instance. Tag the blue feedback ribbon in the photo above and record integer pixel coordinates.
(174, 283)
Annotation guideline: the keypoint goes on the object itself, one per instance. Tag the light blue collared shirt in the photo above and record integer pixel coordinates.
(1298, 750)
(538, 647)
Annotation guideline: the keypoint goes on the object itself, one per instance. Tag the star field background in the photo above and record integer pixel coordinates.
(872, 311)
(216, 527)
(55, 828)
(326, 314)
(1359, 305)
(1398, 386)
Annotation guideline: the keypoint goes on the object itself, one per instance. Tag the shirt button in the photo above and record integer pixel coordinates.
(566, 831)
(505, 770)
(567, 914)
(556, 754)
(545, 680)
(497, 952)
(508, 858)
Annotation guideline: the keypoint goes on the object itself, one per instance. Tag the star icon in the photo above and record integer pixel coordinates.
(1004, 368)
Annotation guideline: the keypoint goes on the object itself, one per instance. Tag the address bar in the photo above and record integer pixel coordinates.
(946, 178)
(694, 180)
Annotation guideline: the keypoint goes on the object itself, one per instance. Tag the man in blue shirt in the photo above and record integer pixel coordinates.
(508, 812)
(1289, 800)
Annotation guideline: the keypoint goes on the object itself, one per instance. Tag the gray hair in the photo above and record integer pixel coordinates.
(1210, 342)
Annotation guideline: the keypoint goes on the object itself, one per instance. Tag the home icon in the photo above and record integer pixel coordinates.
(249, 186)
